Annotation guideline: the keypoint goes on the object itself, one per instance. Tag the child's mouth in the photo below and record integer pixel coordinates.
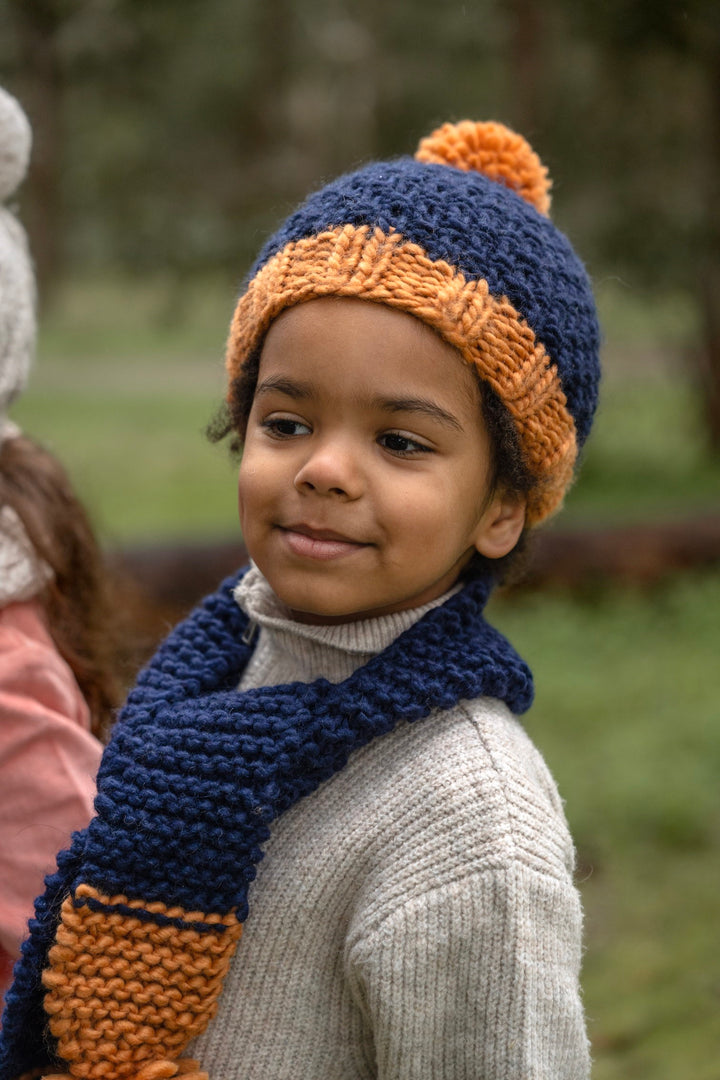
(319, 543)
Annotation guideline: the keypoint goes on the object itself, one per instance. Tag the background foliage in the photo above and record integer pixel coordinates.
(174, 134)
(175, 131)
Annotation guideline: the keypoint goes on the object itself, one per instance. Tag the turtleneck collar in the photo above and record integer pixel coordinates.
(291, 651)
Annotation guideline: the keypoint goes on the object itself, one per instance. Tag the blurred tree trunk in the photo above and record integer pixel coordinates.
(262, 163)
(709, 361)
(526, 59)
(709, 367)
(37, 23)
(275, 40)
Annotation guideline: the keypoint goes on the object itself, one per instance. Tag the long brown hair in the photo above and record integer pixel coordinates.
(76, 600)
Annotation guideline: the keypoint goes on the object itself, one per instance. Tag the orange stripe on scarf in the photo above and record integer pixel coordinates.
(124, 995)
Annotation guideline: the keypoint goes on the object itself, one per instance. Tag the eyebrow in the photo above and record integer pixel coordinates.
(285, 386)
(423, 406)
(419, 405)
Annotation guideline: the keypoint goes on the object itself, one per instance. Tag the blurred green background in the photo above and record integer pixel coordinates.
(171, 136)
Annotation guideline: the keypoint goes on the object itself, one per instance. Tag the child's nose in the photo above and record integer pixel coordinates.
(331, 468)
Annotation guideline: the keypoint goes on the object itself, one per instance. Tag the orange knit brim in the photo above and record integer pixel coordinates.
(487, 331)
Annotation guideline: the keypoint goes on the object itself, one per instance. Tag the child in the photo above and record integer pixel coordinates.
(56, 688)
(328, 747)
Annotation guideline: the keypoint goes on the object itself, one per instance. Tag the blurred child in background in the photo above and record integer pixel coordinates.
(57, 689)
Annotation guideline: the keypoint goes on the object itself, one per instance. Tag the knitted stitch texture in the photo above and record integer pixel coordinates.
(17, 283)
(472, 254)
(413, 917)
(193, 777)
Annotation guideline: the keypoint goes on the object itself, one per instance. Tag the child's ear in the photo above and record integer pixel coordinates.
(499, 529)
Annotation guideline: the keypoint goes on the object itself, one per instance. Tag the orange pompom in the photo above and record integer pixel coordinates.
(495, 151)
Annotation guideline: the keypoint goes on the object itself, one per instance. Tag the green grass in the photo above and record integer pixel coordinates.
(142, 464)
(93, 321)
(126, 380)
(627, 717)
(647, 454)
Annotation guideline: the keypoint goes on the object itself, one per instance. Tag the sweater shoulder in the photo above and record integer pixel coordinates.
(457, 796)
(470, 781)
(512, 767)
(457, 799)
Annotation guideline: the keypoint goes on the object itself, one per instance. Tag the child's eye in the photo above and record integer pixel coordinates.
(284, 427)
(403, 445)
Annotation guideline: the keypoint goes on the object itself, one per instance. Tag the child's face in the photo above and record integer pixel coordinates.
(364, 483)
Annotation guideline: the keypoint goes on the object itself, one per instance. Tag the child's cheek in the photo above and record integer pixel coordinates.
(245, 496)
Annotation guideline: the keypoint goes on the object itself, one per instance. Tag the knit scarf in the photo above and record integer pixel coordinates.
(133, 937)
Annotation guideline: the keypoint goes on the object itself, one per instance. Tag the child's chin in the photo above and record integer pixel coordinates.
(310, 608)
(313, 601)
(321, 616)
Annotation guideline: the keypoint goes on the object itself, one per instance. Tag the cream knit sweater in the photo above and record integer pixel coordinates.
(415, 917)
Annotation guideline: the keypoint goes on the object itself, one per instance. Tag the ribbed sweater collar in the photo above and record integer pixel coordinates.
(290, 651)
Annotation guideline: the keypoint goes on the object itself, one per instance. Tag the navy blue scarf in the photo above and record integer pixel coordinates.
(196, 772)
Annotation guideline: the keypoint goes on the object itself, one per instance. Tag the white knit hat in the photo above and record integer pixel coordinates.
(17, 282)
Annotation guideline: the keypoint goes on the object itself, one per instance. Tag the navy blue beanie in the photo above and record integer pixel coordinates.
(459, 237)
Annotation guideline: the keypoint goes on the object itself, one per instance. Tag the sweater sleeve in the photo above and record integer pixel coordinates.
(48, 761)
(480, 979)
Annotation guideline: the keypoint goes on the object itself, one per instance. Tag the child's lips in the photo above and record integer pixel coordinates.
(308, 542)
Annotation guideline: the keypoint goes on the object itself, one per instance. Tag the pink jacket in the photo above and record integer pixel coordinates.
(48, 762)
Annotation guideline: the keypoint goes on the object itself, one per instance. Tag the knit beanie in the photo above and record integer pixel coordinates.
(458, 236)
(22, 573)
(17, 283)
